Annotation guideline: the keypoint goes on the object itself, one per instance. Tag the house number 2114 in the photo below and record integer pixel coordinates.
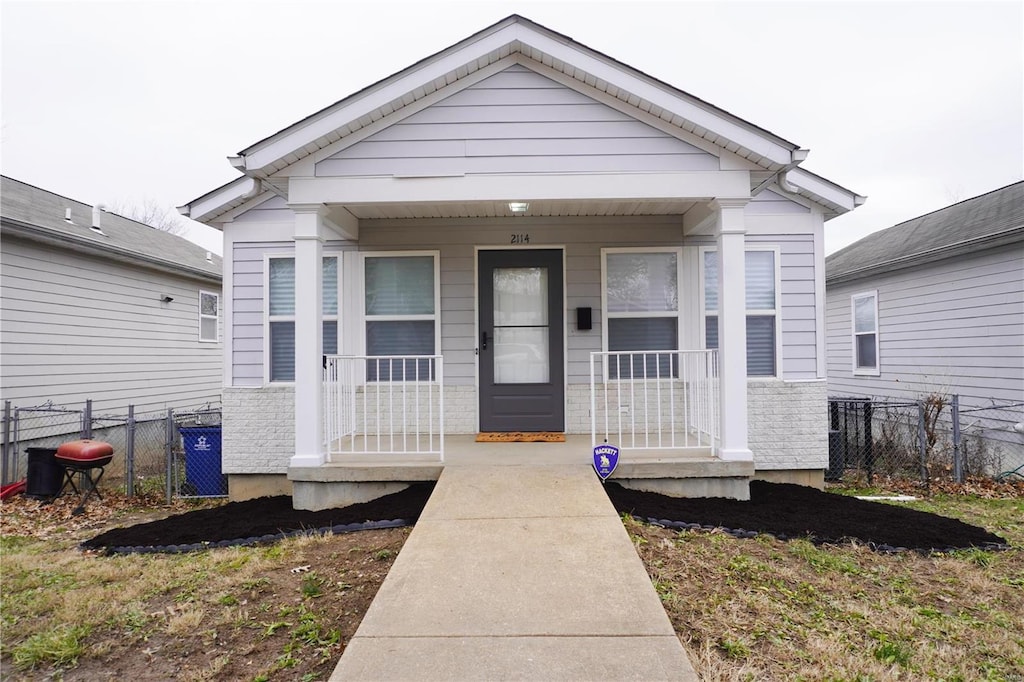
(520, 239)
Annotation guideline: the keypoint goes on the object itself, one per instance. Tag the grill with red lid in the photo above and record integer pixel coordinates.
(83, 457)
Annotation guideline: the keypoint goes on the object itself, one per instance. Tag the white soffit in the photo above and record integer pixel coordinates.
(500, 209)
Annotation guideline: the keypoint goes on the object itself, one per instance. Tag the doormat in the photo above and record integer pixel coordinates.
(521, 437)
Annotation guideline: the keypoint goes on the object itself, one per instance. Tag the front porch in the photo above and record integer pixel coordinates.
(356, 478)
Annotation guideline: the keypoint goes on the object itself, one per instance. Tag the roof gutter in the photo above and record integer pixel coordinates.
(938, 253)
(260, 181)
(42, 235)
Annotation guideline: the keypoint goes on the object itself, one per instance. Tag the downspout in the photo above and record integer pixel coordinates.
(260, 183)
(780, 176)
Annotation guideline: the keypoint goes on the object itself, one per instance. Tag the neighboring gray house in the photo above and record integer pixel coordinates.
(522, 234)
(97, 306)
(939, 308)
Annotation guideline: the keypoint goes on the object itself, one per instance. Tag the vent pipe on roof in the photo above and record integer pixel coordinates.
(97, 211)
(67, 216)
(209, 257)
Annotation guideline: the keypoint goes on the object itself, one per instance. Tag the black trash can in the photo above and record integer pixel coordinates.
(45, 475)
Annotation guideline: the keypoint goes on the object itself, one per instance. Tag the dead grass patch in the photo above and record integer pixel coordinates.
(762, 609)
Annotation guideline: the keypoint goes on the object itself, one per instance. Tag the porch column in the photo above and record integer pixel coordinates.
(732, 329)
(309, 238)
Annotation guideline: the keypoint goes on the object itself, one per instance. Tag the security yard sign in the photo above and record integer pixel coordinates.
(606, 458)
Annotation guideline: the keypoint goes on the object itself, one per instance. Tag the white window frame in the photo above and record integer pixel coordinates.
(677, 313)
(858, 370)
(215, 318)
(268, 318)
(435, 317)
(748, 312)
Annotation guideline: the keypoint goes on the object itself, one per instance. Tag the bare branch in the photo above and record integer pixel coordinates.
(152, 213)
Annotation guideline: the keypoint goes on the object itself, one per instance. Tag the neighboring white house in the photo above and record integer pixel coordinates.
(939, 308)
(97, 306)
(500, 220)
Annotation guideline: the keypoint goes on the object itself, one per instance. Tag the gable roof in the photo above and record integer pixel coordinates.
(535, 46)
(37, 214)
(972, 224)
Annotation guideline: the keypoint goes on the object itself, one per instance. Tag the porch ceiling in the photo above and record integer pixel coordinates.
(500, 209)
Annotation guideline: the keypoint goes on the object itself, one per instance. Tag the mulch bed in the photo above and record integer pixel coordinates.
(779, 509)
(795, 511)
(264, 519)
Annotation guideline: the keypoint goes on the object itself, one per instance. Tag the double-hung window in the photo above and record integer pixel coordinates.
(281, 317)
(209, 316)
(865, 332)
(761, 308)
(400, 307)
(641, 303)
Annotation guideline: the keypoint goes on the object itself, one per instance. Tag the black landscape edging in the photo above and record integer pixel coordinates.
(254, 540)
(741, 533)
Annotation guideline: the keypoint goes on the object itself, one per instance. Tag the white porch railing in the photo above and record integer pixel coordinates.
(384, 405)
(655, 400)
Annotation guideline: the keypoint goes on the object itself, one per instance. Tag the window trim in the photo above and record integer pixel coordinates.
(216, 318)
(364, 318)
(268, 318)
(748, 312)
(858, 370)
(608, 315)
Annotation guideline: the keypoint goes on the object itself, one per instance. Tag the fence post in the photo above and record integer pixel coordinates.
(87, 420)
(869, 442)
(7, 442)
(958, 453)
(169, 450)
(921, 442)
(129, 452)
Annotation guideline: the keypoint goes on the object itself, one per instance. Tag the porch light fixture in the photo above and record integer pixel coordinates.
(518, 206)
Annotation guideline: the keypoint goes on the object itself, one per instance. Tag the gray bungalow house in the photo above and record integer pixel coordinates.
(934, 305)
(97, 306)
(521, 234)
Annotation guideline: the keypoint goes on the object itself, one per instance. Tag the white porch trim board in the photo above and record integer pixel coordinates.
(732, 321)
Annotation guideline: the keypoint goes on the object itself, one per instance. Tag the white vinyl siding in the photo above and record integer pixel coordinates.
(953, 326)
(400, 304)
(79, 327)
(516, 121)
(209, 316)
(762, 308)
(640, 296)
(281, 314)
(864, 313)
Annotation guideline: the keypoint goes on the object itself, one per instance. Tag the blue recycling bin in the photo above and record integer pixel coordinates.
(202, 459)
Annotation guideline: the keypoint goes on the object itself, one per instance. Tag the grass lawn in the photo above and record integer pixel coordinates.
(761, 609)
(277, 612)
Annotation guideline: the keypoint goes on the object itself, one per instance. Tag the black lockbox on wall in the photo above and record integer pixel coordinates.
(583, 319)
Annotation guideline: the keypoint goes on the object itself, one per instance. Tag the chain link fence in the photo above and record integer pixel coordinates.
(174, 453)
(931, 439)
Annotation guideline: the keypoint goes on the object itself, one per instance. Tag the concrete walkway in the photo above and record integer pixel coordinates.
(516, 573)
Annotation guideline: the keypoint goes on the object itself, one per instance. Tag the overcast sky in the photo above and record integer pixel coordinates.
(916, 105)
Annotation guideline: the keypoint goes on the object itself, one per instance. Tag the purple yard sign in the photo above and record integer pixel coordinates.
(606, 458)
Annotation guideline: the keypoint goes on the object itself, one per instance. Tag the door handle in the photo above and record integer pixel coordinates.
(483, 341)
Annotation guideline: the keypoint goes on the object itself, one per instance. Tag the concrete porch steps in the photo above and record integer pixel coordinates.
(516, 573)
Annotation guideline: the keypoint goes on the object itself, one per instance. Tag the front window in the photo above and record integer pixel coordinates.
(642, 308)
(281, 319)
(209, 316)
(865, 333)
(401, 315)
(761, 308)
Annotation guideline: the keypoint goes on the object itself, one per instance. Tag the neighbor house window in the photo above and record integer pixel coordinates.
(641, 303)
(209, 316)
(865, 333)
(761, 307)
(400, 306)
(281, 318)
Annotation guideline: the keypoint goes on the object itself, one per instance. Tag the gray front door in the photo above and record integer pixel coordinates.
(522, 376)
